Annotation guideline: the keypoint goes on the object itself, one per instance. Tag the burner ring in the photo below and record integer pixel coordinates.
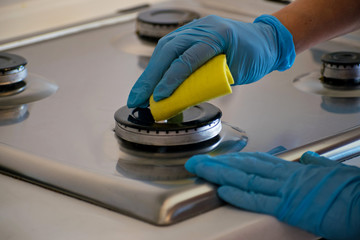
(11, 89)
(169, 137)
(194, 125)
(13, 76)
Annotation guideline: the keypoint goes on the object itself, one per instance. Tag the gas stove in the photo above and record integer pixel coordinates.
(81, 140)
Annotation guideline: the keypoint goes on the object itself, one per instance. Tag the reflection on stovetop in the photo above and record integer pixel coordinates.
(13, 114)
(341, 105)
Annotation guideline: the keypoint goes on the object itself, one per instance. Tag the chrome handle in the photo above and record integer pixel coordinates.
(339, 147)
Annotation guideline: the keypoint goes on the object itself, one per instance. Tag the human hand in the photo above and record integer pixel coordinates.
(317, 195)
(252, 51)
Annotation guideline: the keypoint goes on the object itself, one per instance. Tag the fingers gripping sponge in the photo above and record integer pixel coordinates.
(211, 80)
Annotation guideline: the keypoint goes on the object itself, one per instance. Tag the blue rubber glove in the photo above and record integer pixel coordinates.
(252, 51)
(317, 195)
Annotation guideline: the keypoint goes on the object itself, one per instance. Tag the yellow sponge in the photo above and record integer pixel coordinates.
(211, 80)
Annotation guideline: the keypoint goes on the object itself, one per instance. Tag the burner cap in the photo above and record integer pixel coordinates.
(155, 23)
(196, 124)
(10, 62)
(341, 70)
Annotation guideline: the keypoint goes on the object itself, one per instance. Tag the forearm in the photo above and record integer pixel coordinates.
(314, 21)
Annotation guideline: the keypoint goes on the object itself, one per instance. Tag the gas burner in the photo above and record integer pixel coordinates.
(18, 88)
(338, 78)
(153, 24)
(12, 74)
(341, 70)
(158, 150)
(194, 125)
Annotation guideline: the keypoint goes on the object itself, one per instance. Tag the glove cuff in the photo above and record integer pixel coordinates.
(285, 44)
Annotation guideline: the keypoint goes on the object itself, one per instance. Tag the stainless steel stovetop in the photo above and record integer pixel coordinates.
(67, 143)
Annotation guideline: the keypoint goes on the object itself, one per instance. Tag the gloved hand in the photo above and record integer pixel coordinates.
(252, 51)
(317, 195)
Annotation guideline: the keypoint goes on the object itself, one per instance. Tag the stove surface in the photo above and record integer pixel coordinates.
(67, 142)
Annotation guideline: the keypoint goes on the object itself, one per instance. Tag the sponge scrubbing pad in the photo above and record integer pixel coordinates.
(211, 80)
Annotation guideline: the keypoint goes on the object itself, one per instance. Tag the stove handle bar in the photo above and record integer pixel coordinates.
(340, 147)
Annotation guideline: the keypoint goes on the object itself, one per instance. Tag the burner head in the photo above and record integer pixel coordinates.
(153, 24)
(341, 70)
(196, 124)
(152, 150)
(12, 74)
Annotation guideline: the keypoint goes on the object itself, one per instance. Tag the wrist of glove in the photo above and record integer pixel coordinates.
(284, 41)
(317, 195)
(252, 51)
